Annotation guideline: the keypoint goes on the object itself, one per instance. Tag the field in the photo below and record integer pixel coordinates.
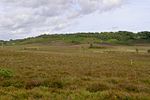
(74, 72)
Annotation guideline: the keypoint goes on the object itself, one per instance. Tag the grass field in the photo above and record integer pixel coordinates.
(74, 72)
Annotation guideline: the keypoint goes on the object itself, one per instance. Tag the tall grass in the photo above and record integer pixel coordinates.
(72, 73)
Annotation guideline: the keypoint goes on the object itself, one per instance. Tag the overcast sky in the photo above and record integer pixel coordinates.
(25, 18)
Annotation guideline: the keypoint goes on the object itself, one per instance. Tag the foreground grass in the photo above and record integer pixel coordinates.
(70, 73)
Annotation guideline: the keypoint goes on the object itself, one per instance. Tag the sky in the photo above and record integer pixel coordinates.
(27, 18)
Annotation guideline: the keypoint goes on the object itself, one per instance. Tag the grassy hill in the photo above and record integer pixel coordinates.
(121, 37)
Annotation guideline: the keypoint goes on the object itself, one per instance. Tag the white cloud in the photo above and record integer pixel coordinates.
(35, 16)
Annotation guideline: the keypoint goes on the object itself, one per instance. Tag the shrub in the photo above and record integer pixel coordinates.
(5, 73)
(148, 51)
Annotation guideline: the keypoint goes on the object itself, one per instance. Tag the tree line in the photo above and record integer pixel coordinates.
(120, 36)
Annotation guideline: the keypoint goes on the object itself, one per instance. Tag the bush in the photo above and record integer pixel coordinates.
(148, 51)
(5, 73)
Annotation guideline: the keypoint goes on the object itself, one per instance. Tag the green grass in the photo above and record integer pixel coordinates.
(74, 72)
(5, 73)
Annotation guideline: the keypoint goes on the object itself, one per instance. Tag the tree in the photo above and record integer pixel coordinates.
(144, 35)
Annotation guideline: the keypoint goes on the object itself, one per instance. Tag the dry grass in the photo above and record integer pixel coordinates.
(74, 73)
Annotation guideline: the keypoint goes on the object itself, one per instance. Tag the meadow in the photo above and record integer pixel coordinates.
(74, 72)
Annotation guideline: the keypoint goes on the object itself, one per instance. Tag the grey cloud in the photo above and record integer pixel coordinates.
(29, 16)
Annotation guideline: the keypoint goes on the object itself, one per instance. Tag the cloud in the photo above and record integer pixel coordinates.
(37, 16)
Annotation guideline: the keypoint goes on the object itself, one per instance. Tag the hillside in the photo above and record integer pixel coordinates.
(120, 37)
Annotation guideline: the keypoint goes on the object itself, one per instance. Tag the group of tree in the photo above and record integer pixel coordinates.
(78, 37)
(120, 35)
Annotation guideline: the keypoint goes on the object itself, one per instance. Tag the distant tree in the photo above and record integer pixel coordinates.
(144, 35)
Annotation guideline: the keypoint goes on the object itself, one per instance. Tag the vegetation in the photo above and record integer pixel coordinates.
(148, 51)
(5, 73)
(91, 66)
(74, 73)
(121, 37)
